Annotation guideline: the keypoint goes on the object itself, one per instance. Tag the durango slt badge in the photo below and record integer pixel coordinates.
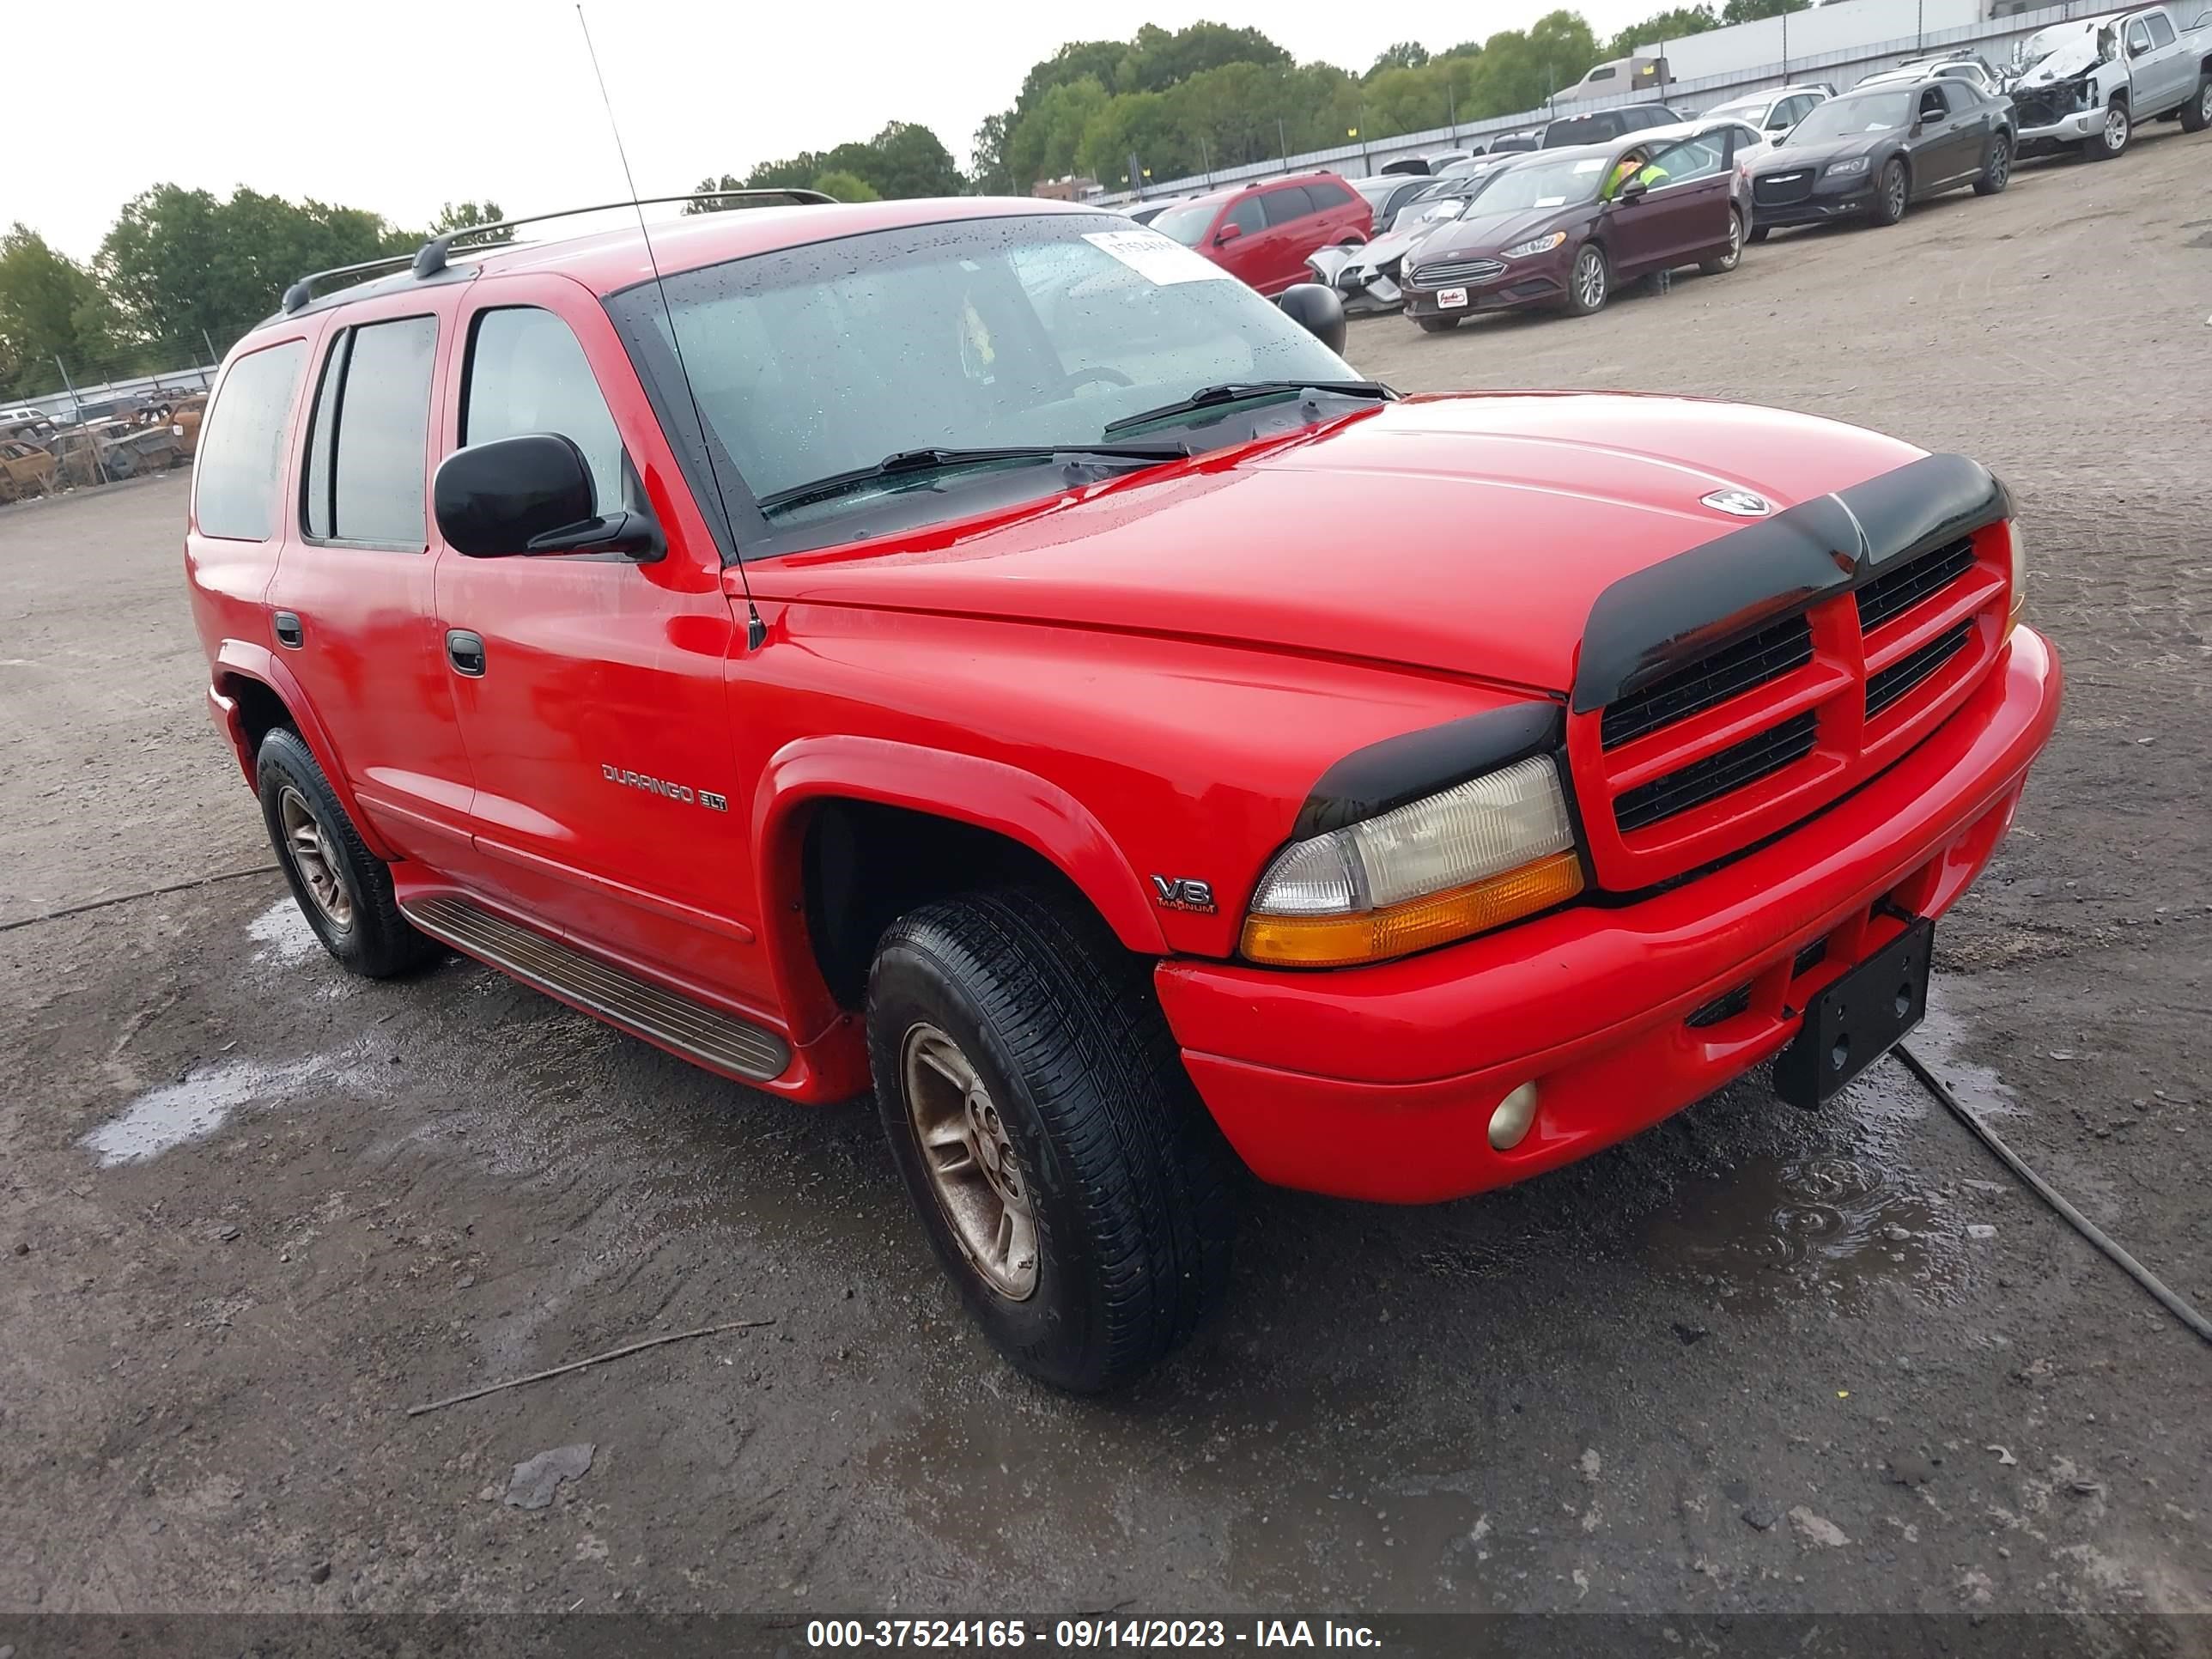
(682, 792)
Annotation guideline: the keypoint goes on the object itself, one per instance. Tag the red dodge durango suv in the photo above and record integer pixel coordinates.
(910, 647)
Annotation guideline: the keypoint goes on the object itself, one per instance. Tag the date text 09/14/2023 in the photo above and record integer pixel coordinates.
(1066, 1634)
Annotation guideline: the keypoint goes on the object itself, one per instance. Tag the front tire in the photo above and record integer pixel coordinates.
(343, 889)
(1438, 324)
(1589, 284)
(2197, 113)
(1997, 171)
(1729, 261)
(1069, 1178)
(2109, 140)
(1759, 232)
(1892, 193)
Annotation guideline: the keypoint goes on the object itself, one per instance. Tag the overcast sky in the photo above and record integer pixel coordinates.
(402, 105)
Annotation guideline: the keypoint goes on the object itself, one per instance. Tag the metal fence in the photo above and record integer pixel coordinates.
(1993, 39)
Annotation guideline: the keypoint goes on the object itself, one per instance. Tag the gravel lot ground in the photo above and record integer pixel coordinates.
(1752, 1360)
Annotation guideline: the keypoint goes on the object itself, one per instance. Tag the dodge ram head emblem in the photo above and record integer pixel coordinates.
(1182, 893)
(1739, 503)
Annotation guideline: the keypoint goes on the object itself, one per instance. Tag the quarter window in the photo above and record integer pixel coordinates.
(241, 453)
(527, 373)
(370, 446)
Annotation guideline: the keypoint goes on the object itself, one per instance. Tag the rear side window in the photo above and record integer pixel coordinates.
(1327, 194)
(242, 452)
(527, 373)
(369, 445)
(1288, 204)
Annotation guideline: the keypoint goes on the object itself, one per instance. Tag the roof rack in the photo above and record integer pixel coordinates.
(430, 258)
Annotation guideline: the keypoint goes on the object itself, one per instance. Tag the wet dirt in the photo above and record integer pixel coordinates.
(251, 1209)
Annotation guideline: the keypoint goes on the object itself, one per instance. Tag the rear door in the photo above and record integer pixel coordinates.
(591, 688)
(352, 611)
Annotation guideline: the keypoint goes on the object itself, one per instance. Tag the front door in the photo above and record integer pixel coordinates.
(1688, 205)
(351, 610)
(1244, 255)
(590, 688)
(1950, 145)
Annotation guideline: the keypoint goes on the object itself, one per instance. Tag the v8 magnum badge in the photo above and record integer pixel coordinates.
(1182, 893)
(651, 785)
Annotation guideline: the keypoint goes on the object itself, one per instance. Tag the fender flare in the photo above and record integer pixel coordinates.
(244, 660)
(943, 783)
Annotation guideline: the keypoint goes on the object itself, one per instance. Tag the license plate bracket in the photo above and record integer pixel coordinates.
(1854, 1021)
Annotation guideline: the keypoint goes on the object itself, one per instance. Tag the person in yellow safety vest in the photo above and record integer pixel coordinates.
(1649, 174)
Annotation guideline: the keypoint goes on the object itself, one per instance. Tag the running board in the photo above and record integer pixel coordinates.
(692, 1028)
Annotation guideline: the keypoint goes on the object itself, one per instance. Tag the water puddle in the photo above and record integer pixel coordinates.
(1850, 1208)
(281, 934)
(195, 1106)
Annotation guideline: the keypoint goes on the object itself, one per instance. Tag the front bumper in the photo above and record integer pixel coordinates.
(1841, 198)
(1378, 1083)
(2063, 133)
(1539, 280)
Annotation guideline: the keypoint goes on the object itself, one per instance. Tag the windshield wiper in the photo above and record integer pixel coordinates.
(924, 461)
(1237, 391)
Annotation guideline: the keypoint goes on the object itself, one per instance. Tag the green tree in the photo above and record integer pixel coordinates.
(460, 216)
(180, 262)
(989, 171)
(846, 187)
(1407, 55)
(909, 160)
(1746, 11)
(1158, 59)
(50, 306)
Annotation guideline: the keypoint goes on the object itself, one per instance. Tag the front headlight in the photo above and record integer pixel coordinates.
(1483, 854)
(1857, 164)
(1536, 244)
(2019, 550)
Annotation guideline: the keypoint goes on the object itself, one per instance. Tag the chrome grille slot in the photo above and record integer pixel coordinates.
(1753, 758)
(1900, 677)
(1457, 271)
(1896, 592)
(1765, 655)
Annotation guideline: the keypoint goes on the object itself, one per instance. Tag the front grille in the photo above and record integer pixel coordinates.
(1457, 271)
(1778, 188)
(1716, 776)
(1901, 676)
(1767, 656)
(1898, 591)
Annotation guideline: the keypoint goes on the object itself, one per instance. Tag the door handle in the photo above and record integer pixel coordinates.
(466, 651)
(289, 633)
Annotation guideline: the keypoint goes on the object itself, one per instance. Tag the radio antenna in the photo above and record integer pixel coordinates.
(755, 629)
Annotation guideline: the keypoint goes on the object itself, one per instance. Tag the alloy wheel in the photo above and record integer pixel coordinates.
(1893, 190)
(968, 1153)
(2116, 129)
(2000, 164)
(306, 846)
(1735, 242)
(1590, 279)
(2204, 104)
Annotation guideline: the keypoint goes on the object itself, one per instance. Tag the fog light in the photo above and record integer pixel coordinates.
(1510, 1121)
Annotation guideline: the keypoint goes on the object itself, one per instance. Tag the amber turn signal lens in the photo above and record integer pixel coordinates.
(1417, 924)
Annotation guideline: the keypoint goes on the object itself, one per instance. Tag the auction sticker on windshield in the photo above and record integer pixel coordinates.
(1157, 257)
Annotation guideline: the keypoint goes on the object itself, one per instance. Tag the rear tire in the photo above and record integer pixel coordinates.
(1893, 193)
(1729, 261)
(1759, 232)
(2197, 113)
(343, 889)
(1438, 324)
(1072, 1183)
(2109, 140)
(1997, 171)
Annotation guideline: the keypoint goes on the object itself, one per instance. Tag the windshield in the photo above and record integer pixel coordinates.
(979, 333)
(1842, 118)
(1187, 223)
(1570, 179)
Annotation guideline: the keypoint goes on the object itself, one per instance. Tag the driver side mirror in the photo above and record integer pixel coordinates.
(1316, 309)
(1634, 191)
(1228, 232)
(533, 495)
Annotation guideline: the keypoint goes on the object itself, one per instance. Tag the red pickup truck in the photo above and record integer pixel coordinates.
(913, 644)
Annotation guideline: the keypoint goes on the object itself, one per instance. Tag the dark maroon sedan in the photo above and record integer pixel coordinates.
(1565, 228)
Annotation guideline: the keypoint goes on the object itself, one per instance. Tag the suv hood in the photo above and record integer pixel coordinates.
(1467, 535)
